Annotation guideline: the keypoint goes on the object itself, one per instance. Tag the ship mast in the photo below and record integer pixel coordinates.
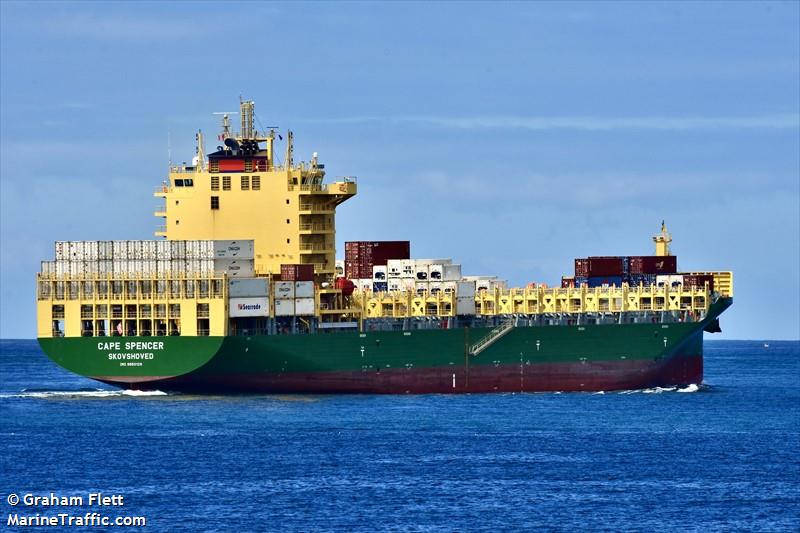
(663, 241)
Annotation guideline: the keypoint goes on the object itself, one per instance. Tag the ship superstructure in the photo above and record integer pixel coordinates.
(242, 294)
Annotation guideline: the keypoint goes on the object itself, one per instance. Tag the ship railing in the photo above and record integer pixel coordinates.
(314, 246)
(315, 227)
(306, 188)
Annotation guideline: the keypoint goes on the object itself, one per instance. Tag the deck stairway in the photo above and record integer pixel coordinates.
(493, 336)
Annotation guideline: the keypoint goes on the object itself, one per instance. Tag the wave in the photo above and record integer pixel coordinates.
(692, 387)
(80, 393)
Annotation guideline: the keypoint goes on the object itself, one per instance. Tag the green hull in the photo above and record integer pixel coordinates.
(591, 357)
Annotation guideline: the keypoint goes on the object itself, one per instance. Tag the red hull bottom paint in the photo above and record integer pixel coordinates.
(546, 377)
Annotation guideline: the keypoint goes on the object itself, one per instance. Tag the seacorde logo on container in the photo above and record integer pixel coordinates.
(130, 354)
(249, 307)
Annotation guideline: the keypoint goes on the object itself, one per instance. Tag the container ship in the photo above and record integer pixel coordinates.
(242, 292)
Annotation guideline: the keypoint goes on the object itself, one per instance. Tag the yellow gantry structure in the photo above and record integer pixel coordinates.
(242, 192)
(540, 300)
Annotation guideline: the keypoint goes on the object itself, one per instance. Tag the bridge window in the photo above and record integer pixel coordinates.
(245, 183)
(215, 202)
(256, 183)
(214, 183)
(226, 183)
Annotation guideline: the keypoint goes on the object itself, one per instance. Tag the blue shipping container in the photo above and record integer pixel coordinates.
(380, 286)
(580, 281)
(634, 280)
(599, 281)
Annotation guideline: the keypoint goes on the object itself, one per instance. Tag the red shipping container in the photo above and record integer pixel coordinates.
(698, 281)
(606, 266)
(581, 268)
(652, 264)
(361, 256)
(567, 282)
(297, 272)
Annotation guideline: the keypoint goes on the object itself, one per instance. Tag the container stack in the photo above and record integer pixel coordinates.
(248, 297)
(294, 298)
(151, 258)
(362, 257)
(487, 283)
(465, 297)
(606, 271)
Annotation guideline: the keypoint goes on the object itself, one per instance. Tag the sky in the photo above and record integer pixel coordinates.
(511, 137)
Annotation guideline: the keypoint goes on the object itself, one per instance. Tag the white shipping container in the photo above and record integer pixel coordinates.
(395, 284)
(62, 248)
(73, 254)
(105, 250)
(240, 268)
(669, 280)
(192, 250)
(379, 273)
(434, 287)
(248, 287)
(177, 249)
(426, 262)
(407, 268)
(449, 287)
(435, 272)
(177, 266)
(238, 249)
(304, 306)
(340, 268)
(193, 266)
(48, 267)
(105, 267)
(284, 290)
(149, 250)
(149, 267)
(394, 268)
(364, 285)
(303, 289)
(451, 272)
(284, 307)
(163, 250)
(163, 267)
(75, 268)
(89, 267)
(252, 306)
(465, 306)
(421, 287)
(465, 289)
(207, 266)
(134, 250)
(207, 249)
(62, 268)
(421, 272)
(90, 250)
(120, 250)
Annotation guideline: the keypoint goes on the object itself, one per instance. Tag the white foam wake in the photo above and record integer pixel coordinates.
(98, 393)
(658, 390)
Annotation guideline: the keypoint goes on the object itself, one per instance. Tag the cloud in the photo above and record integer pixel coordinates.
(587, 123)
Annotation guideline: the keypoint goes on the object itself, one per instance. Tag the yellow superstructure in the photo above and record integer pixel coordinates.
(243, 193)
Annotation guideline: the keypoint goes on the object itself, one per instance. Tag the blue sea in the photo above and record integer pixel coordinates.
(724, 456)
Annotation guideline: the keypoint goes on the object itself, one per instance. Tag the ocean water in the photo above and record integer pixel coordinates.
(724, 456)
